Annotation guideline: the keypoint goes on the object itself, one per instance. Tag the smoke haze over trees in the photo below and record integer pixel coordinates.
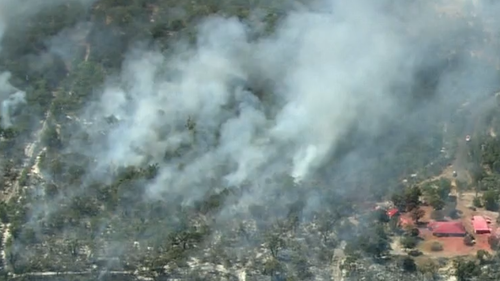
(156, 137)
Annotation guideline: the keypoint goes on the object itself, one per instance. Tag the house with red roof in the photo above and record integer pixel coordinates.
(404, 222)
(480, 225)
(447, 229)
(392, 212)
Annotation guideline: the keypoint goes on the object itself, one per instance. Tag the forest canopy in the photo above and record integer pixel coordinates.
(158, 138)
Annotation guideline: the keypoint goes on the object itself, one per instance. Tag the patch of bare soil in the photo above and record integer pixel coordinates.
(446, 173)
(396, 249)
(452, 246)
(464, 204)
(465, 201)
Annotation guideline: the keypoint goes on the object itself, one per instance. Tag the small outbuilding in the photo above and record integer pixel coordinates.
(405, 222)
(480, 225)
(392, 212)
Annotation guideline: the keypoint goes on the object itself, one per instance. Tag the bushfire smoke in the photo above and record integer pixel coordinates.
(344, 67)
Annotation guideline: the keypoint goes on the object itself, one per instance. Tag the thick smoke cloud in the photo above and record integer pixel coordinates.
(331, 89)
(348, 65)
(11, 97)
(233, 110)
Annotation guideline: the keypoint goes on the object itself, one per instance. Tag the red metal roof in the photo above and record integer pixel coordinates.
(405, 221)
(480, 224)
(392, 212)
(447, 227)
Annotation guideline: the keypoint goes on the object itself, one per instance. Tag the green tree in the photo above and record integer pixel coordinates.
(417, 214)
(4, 214)
(408, 200)
(29, 236)
(412, 198)
(51, 137)
(468, 240)
(413, 231)
(483, 256)
(408, 264)
(444, 188)
(302, 266)
(436, 202)
(398, 200)
(40, 96)
(490, 199)
(274, 243)
(394, 224)
(466, 270)
(271, 267)
(494, 242)
(380, 215)
(436, 246)
(409, 242)
(476, 202)
(374, 241)
(81, 84)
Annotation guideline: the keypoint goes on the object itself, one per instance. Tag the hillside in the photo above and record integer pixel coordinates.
(245, 140)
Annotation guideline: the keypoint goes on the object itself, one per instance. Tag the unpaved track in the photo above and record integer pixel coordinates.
(479, 110)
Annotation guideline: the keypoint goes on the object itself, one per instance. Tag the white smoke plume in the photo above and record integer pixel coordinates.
(10, 104)
(12, 98)
(330, 71)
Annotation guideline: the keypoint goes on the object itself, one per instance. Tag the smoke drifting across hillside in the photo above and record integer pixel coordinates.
(14, 14)
(340, 68)
(328, 96)
(313, 99)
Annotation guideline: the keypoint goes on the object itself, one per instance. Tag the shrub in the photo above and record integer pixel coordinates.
(409, 242)
(415, 253)
(414, 232)
(408, 264)
(469, 240)
(394, 225)
(437, 215)
(437, 202)
(490, 200)
(483, 256)
(436, 247)
(429, 268)
(494, 242)
(381, 216)
(416, 214)
(476, 202)
(466, 269)
(454, 214)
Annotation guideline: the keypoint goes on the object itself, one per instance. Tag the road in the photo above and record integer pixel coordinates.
(338, 259)
(479, 110)
(81, 273)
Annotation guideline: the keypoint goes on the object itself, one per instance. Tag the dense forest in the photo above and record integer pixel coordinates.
(239, 140)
